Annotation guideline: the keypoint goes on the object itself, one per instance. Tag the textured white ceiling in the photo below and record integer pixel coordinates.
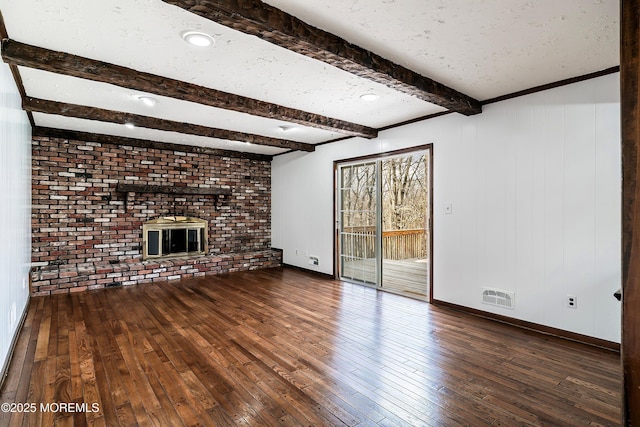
(481, 48)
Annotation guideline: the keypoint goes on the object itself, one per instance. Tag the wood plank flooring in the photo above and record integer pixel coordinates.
(285, 348)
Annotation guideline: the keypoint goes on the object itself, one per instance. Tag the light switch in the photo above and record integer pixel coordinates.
(448, 209)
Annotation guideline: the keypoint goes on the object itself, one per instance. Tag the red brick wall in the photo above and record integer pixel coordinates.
(78, 217)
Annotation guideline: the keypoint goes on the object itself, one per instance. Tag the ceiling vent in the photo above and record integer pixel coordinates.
(499, 298)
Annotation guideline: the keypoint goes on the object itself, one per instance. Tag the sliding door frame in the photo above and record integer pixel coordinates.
(377, 157)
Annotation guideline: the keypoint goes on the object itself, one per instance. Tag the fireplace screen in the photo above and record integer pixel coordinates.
(174, 236)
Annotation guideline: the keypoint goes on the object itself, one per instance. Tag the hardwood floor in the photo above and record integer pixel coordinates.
(284, 348)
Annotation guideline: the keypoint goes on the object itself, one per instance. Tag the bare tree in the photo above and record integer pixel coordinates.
(404, 193)
(404, 196)
(359, 195)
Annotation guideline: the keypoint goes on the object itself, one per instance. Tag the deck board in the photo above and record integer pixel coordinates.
(407, 277)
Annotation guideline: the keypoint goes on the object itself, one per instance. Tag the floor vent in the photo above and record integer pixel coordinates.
(505, 299)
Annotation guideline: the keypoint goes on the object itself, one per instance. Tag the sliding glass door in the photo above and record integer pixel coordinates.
(384, 208)
(358, 201)
(405, 224)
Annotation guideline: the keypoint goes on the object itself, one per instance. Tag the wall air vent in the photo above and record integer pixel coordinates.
(499, 298)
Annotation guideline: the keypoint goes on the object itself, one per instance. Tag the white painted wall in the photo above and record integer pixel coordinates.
(15, 211)
(535, 188)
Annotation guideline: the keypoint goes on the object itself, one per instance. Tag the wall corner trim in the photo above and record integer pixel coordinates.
(14, 342)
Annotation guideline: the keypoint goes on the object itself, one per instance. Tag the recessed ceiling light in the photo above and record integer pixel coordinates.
(130, 125)
(369, 97)
(195, 38)
(147, 100)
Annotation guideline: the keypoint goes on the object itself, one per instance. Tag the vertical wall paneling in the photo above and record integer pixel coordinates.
(523, 236)
(607, 222)
(15, 199)
(534, 183)
(579, 202)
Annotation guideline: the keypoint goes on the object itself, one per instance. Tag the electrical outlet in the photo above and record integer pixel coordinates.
(572, 301)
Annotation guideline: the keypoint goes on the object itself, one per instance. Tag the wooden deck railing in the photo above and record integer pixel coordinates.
(404, 244)
(359, 242)
(397, 245)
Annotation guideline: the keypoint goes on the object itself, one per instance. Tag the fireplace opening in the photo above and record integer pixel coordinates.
(174, 236)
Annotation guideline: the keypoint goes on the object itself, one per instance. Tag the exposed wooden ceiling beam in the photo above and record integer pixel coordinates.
(25, 55)
(278, 27)
(142, 143)
(14, 69)
(91, 113)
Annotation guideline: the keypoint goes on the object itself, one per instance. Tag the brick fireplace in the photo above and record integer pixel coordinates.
(90, 201)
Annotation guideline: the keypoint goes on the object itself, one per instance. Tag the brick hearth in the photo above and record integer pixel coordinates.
(81, 277)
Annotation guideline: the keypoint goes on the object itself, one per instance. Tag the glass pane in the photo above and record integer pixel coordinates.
(166, 242)
(153, 243)
(405, 203)
(358, 205)
(178, 240)
(193, 240)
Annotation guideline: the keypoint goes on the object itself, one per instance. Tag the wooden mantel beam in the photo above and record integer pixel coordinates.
(278, 27)
(91, 113)
(16, 53)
